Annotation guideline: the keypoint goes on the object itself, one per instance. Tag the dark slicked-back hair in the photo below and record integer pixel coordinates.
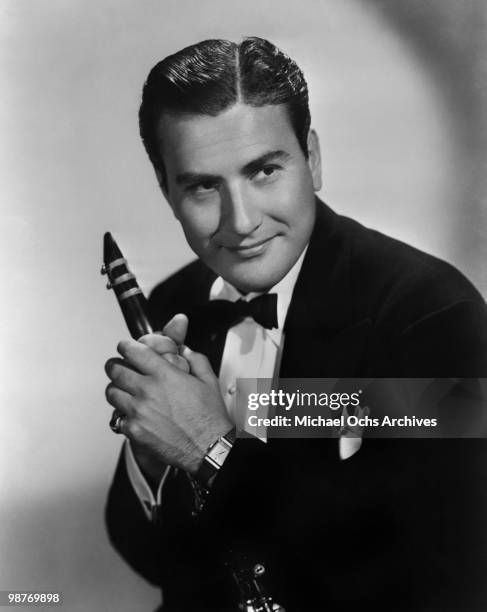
(211, 76)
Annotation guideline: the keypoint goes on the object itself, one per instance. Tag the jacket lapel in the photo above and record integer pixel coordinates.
(324, 337)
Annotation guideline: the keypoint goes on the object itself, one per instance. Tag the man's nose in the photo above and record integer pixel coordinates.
(240, 213)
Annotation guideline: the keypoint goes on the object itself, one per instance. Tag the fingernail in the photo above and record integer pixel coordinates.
(184, 350)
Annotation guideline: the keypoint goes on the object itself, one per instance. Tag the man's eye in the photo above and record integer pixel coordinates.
(203, 188)
(267, 172)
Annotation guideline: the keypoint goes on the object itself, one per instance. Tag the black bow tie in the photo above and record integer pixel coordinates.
(263, 309)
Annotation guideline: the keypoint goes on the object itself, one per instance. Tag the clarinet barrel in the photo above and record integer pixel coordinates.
(127, 291)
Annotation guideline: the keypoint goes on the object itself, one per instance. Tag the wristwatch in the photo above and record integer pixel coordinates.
(215, 457)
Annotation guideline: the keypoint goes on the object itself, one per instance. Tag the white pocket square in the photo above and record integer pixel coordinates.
(348, 447)
(351, 436)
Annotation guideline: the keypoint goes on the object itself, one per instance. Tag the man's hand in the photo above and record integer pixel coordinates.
(168, 344)
(169, 414)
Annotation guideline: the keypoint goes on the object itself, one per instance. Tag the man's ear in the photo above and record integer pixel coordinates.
(162, 184)
(314, 159)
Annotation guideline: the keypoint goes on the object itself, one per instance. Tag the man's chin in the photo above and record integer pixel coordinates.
(253, 279)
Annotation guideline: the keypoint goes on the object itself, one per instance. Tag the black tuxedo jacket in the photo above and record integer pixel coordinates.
(401, 524)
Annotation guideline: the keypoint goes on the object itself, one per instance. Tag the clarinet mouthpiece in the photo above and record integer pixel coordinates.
(111, 252)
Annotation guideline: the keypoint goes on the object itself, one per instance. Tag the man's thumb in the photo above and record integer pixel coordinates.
(177, 328)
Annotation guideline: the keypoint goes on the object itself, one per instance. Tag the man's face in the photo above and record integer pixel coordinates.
(242, 190)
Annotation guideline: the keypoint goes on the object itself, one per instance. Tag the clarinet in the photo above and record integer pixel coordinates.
(127, 291)
(133, 304)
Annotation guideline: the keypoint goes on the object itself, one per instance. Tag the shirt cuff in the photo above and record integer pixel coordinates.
(150, 504)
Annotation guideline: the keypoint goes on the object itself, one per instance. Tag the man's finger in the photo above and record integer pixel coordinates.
(140, 356)
(123, 376)
(178, 361)
(159, 343)
(177, 328)
(199, 365)
(119, 399)
(167, 348)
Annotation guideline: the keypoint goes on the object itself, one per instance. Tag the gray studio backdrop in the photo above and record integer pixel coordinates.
(397, 89)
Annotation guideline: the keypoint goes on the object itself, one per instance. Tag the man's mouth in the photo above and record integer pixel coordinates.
(252, 249)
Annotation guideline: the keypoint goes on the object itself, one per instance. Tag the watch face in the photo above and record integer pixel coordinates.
(219, 452)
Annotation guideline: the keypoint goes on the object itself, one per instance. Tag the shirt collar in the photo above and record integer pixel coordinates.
(222, 290)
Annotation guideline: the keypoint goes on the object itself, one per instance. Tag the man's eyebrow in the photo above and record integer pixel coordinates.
(262, 160)
(192, 178)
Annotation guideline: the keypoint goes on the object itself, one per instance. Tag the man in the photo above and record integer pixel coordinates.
(398, 524)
